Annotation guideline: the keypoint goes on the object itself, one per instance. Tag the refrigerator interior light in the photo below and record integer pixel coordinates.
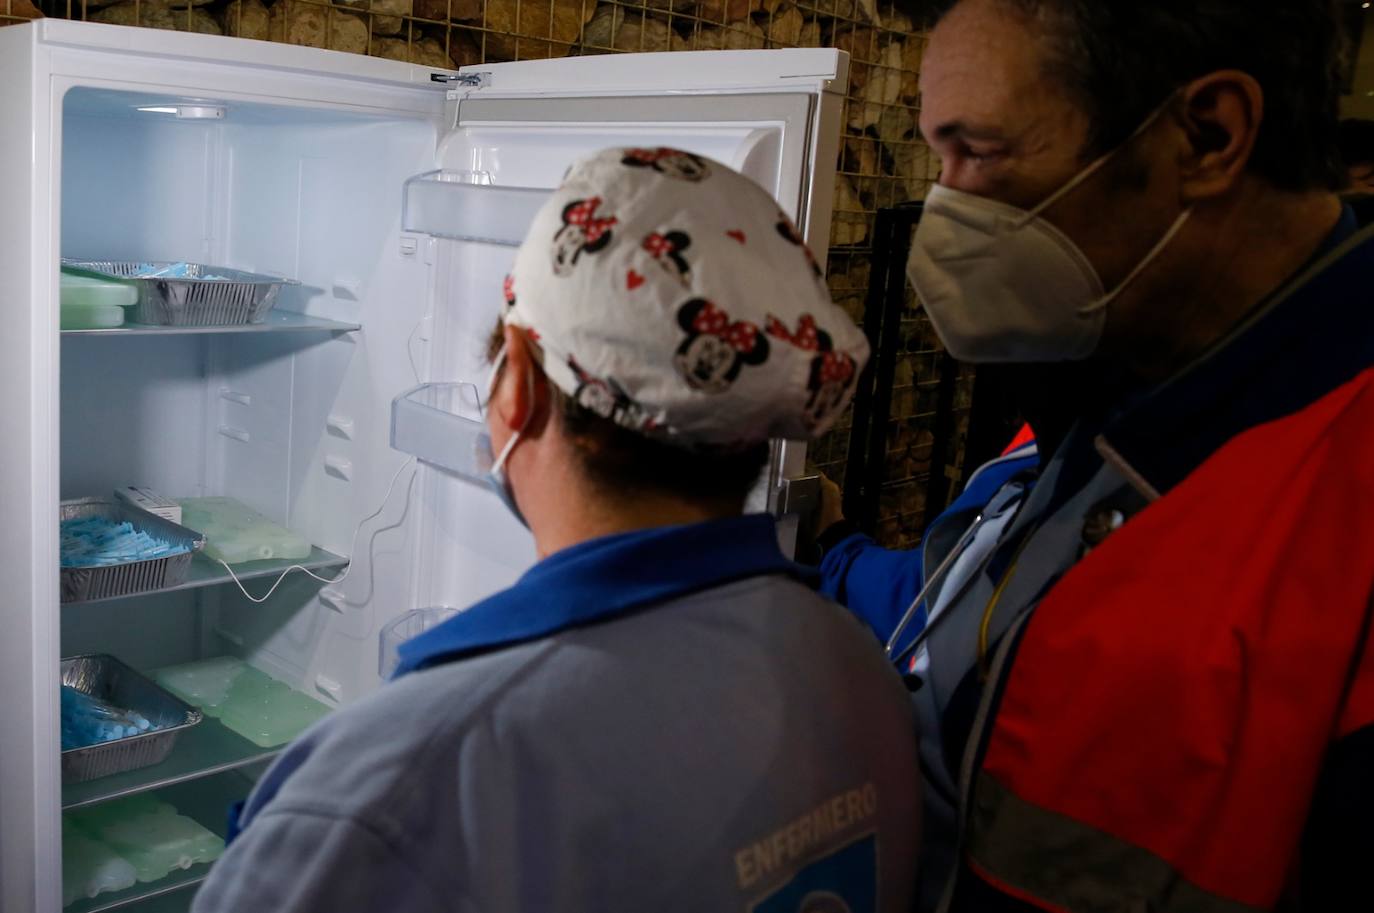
(187, 112)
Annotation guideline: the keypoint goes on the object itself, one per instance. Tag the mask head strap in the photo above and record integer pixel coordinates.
(1096, 165)
(1155, 251)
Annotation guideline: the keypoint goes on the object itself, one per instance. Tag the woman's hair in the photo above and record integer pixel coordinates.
(624, 464)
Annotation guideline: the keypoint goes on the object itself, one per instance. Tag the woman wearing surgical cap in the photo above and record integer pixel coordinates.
(661, 714)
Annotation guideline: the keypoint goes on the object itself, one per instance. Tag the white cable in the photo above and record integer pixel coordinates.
(410, 353)
(351, 549)
(410, 356)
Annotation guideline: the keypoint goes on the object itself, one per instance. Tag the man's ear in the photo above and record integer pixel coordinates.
(1220, 115)
(521, 395)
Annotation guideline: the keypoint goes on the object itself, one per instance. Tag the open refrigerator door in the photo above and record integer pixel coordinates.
(209, 309)
(378, 204)
(514, 131)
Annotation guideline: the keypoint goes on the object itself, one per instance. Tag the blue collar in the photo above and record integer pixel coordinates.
(606, 578)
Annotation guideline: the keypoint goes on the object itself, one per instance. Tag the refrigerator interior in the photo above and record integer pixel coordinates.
(292, 423)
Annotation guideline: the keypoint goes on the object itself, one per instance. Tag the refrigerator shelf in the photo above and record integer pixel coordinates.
(205, 801)
(173, 900)
(276, 322)
(465, 206)
(202, 751)
(190, 294)
(205, 572)
(124, 900)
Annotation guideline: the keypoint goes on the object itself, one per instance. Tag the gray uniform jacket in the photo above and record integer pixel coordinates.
(738, 745)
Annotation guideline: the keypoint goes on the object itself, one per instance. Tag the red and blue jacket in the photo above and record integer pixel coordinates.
(1176, 712)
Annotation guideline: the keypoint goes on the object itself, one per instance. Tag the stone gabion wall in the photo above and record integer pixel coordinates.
(882, 162)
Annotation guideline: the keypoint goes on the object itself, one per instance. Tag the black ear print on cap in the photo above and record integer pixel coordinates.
(790, 234)
(832, 374)
(680, 242)
(823, 341)
(667, 250)
(673, 163)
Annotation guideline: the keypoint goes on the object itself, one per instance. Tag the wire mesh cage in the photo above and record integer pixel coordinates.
(883, 160)
(12, 11)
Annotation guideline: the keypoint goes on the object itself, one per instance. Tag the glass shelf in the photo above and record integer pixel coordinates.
(457, 205)
(182, 880)
(204, 750)
(276, 322)
(173, 900)
(205, 572)
(205, 801)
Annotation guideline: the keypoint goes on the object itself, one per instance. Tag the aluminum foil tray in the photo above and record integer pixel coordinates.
(191, 299)
(81, 584)
(104, 677)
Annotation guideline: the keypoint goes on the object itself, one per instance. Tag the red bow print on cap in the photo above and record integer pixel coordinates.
(509, 289)
(583, 215)
(658, 246)
(740, 336)
(806, 336)
(649, 156)
(836, 367)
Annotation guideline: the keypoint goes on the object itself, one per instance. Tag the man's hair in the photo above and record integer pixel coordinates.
(1357, 142)
(623, 464)
(1121, 59)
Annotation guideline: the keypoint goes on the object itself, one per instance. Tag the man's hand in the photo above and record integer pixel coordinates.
(831, 510)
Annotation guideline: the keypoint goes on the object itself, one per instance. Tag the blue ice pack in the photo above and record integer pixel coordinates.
(89, 721)
(98, 542)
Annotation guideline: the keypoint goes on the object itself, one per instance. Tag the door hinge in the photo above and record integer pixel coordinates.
(471, 80)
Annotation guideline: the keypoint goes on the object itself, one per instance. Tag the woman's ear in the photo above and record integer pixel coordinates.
(520, 395)
(1221, 115)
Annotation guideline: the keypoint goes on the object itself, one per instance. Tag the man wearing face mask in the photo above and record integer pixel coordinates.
(1146, 683)
(661, 715)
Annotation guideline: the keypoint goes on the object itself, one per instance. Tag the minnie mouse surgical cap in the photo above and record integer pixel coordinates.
(671, 295)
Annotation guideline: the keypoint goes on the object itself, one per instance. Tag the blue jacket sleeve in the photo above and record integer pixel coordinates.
(878, 584)
(874, 583)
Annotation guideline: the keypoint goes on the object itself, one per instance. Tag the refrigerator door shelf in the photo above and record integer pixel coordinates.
(462, 206)
(442, 425)
(410, 625)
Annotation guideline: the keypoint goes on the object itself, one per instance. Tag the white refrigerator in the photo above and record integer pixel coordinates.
(395, 195)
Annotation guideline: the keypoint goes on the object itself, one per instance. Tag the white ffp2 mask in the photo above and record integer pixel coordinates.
(1002, 284)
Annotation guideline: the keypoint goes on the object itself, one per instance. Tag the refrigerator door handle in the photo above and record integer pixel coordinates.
(798, 495)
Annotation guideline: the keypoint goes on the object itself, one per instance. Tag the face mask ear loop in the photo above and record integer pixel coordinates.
(1140, 267)
(496, 365)
(1096, 166)
(500, 460)
(505, 451)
